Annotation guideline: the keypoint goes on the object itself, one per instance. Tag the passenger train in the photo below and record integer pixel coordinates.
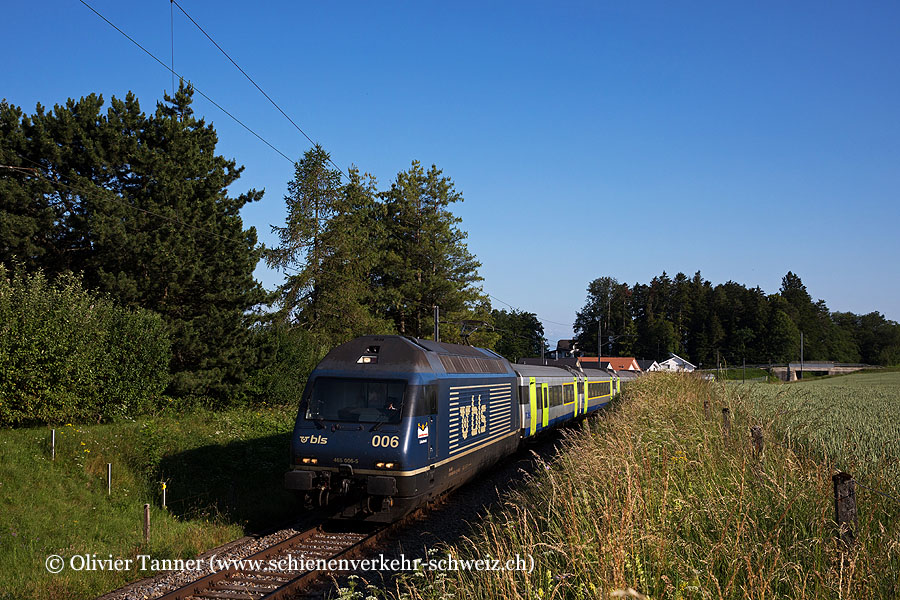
(389, 423)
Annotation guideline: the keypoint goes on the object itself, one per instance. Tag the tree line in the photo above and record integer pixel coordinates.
(728, 322)
(136, 206)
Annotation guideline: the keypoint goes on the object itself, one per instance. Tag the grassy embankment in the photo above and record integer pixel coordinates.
(223, 471)
(650, 499)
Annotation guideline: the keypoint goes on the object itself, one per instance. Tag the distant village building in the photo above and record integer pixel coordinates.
(648, 365)
(676, 363)
(616, 363)
(564, 349)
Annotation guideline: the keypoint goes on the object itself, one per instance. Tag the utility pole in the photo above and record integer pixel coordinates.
(599, 339)
(718, 365)
(801, 355)
(437, 327)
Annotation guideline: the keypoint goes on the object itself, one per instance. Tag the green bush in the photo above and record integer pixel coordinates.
(69, 355)
(290, 354)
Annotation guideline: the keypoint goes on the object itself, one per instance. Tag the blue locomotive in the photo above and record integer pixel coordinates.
(388, 423)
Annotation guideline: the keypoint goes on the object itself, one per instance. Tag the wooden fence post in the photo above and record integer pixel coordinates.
(706, 413)
(146, 523)
(845, 507)
(52, 444)
(756, 438)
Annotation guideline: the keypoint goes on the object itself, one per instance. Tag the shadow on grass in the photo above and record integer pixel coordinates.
(239, 482)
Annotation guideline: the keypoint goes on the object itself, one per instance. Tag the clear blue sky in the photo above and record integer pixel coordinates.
(588, 139)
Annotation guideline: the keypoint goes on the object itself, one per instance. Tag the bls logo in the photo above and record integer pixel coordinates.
(473, 418)
(316, 439)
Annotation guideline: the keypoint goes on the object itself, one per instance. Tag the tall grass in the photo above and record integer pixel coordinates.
(651, 499)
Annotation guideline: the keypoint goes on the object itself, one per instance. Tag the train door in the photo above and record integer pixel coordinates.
(532, 407)
(545, 405)
(576, 394)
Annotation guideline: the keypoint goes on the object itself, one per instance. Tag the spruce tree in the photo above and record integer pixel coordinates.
(426, 262)
(329, 245)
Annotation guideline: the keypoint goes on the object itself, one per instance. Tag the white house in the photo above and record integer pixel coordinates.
(648, 365)
(676, 363)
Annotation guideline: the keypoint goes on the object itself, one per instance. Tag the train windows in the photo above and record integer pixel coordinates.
(568, 394)
(356, 400)
(555, 395)
(598, 389)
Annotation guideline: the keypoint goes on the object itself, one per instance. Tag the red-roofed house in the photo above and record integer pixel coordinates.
(615, 363)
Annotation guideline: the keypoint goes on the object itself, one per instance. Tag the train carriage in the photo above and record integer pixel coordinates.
(389, 423)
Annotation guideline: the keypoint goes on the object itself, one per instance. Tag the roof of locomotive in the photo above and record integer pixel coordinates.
(393, 353)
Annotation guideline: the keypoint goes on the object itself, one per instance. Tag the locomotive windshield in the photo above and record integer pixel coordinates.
(356, 400)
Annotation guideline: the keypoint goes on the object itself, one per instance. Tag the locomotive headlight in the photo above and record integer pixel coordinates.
(386, 465)
(309, 461)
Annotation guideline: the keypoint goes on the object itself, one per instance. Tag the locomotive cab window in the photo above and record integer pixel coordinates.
(356, 400)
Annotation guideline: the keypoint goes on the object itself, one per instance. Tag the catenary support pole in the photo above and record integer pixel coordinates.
(437, 323)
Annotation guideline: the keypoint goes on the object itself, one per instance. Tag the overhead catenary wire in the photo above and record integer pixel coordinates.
(519, 310)
(251, 80)
(196, 89)
(110, 195)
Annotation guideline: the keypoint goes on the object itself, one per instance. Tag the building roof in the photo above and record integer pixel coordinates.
(617, 363)
(678, 360)
(646, 364)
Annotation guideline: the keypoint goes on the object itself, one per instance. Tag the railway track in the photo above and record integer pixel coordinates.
(279, 572)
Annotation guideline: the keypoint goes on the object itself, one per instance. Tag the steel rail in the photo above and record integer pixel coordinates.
(316, 544)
